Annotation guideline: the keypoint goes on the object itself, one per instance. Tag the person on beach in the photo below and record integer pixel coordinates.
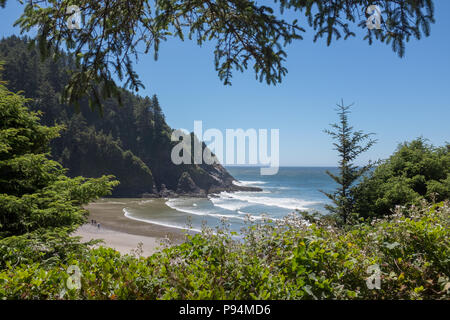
(98, 226)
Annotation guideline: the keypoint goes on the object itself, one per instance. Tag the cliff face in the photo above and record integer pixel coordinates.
(131, 141)
(141, 161)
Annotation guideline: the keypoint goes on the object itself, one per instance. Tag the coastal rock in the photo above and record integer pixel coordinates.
(165, 193)
(186, 184)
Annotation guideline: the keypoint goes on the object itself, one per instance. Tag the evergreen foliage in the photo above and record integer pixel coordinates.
(245, 34)
(349, 145)
(35, 193)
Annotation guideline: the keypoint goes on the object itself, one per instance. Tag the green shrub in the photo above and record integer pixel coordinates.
(414, 172)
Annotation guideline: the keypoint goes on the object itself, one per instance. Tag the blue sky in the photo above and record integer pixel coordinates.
(398, 99)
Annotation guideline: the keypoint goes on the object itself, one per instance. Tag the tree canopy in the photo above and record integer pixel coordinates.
(246, 34)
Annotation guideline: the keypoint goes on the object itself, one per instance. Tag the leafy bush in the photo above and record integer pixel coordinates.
(288, 259)
(414, 172)
(46, 246)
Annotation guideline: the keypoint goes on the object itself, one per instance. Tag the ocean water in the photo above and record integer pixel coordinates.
(293, 188)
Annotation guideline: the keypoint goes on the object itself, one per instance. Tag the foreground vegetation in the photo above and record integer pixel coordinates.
(283, 260)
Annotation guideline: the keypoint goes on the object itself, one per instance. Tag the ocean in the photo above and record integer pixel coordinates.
(293, 188)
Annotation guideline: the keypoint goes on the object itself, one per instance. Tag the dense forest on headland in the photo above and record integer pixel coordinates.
(394, 243)
(131, 141)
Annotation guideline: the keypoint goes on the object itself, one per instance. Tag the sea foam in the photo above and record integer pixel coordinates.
(251, 197)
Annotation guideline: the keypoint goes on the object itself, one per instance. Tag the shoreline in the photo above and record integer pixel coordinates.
(124, 234)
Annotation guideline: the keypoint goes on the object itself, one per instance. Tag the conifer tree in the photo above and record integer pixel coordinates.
(349, 145)
(160, 121)
(35, 193)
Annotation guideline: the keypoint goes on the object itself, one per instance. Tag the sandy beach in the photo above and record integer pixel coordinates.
(122, 233)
